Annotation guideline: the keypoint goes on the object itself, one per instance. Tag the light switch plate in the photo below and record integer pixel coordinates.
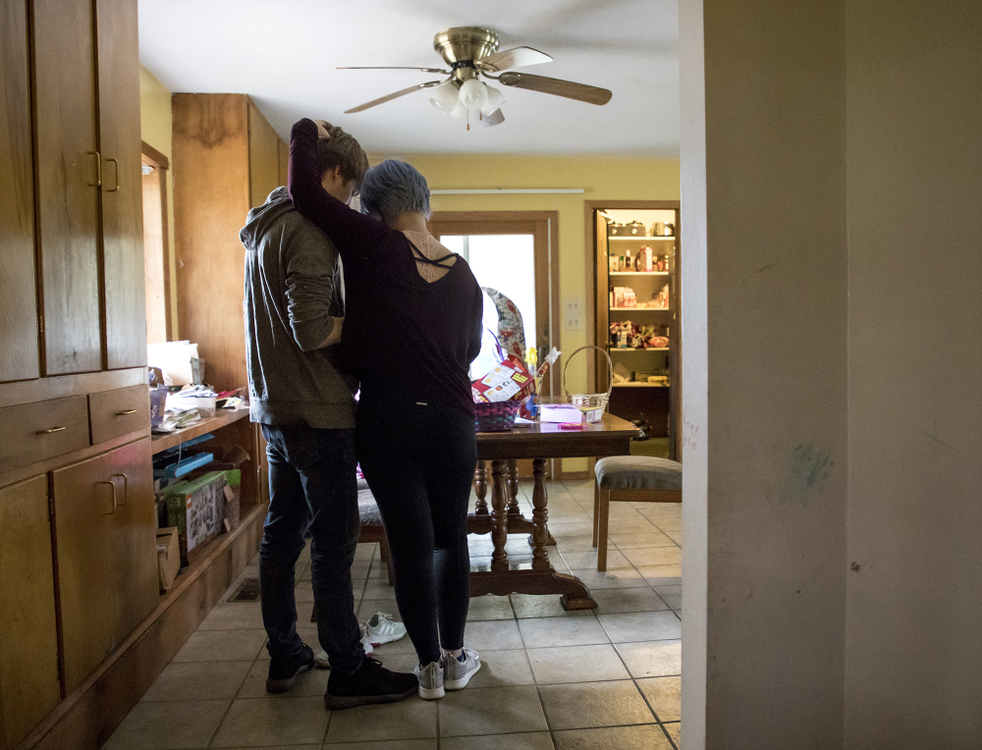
(573, 314)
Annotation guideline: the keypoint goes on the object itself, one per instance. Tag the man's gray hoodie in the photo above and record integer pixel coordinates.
(293, 290)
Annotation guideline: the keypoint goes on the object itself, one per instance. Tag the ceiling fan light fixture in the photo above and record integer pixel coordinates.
(473, 94)
(458, 111)
(444, 97)
(494, 101)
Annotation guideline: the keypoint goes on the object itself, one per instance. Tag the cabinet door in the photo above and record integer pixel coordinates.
(29, 687)
(117, 51)
(134, 587)
(18, 306)
(85, 499)
(68, 170)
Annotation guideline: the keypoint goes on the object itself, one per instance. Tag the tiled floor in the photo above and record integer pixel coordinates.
(590, 680)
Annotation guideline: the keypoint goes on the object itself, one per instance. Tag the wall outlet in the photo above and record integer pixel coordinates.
(573, 314)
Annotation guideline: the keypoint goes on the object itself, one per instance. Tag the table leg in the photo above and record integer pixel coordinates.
(481, 488)
(513, 487)
(540, 515)
(499, 514)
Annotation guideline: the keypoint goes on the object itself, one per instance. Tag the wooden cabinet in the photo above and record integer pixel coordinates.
(637, 311)
(88, 182)
(18, 304)
(29, 686)
(105, 547)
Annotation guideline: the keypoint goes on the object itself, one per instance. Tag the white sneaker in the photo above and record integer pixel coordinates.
(381, 628)
(430, 680)
(458, 673)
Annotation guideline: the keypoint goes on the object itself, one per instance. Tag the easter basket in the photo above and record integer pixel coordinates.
(495, 416)
(587, 401)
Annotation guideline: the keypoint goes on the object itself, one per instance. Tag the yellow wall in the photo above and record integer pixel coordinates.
(156, 130)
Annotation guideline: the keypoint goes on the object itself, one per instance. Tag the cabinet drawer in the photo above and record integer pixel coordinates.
(34, 432)
(115, 413)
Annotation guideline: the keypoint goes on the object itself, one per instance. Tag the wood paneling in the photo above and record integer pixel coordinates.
(18, 303)
(264, 157)
(284, 162)
(29, 649)
(67, 171)
(122, 190)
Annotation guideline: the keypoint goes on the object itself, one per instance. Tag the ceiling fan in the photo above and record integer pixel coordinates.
(472, 52)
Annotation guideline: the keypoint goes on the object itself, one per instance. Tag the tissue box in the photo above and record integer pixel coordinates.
(168, 557)
(158, 397)
(568, 413)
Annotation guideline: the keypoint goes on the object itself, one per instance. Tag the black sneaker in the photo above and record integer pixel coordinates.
(370, 683)
(283, 672)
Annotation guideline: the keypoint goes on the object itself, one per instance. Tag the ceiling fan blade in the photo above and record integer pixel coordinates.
(395, 67)
(390, 97)
(517, 57)
(579, 91)
(495, 118)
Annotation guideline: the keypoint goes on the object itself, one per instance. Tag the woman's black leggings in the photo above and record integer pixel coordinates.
(419, 460)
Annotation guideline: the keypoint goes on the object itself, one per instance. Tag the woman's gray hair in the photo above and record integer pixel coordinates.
(392, 188)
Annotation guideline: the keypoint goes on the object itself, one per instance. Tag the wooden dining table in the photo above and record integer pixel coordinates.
(539, 441)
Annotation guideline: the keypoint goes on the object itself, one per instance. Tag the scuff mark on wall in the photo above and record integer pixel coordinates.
(809, 468)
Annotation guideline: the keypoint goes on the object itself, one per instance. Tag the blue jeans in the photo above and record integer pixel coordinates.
(312, 486)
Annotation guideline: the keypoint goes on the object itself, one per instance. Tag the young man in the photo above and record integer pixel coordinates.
(303, 399)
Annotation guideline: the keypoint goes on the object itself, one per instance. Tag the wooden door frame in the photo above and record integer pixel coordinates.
(590, 209)
(544, 225)
(162, 165)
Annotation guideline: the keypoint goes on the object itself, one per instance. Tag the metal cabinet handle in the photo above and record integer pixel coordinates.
(115, 164)
(113, 485)
(126, 486)
(98, 168)
(48, 432)
(128, 411)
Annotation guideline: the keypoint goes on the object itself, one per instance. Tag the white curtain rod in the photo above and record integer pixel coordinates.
(510, 191)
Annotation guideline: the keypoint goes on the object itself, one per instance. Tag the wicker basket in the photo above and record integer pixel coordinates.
(498, 416)
(590, 400)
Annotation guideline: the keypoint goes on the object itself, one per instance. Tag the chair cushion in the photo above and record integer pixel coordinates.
(367, 508)
(638, 473)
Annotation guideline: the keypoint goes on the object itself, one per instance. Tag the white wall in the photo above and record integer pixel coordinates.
(841, 418)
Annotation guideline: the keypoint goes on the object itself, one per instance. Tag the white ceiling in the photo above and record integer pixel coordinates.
(284, 53)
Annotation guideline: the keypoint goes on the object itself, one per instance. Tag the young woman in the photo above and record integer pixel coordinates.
(412, 327)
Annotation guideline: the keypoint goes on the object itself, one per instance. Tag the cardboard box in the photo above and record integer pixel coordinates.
(197, 509)
(168, 557)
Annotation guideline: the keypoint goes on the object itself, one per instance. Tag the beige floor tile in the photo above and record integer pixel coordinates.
(497, 710)
(646, 737)
(581, 543)
(201, 680)
(675, 536)
(638, 599)
(654, 556)
(652, 658)
(579, 628)
(303, 592)
(233, 616)
(664, 694)
(311, 683)
(406, 720)
(366, 552)
(594, 704)
(171, 724)
(527, 741)
(662, 575)
(368, 607)
(674, 730)
(588, 559)
(377, 588)
(503, 669)
(642, 626)
(489, 607)
(493, 635)
(561, 529)
(427, 744)
(621, 577)
(537, 605)
(253, 722)
(641, 539)
(671, 594)
(222, 645)
(280, 747)
(576, 664)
